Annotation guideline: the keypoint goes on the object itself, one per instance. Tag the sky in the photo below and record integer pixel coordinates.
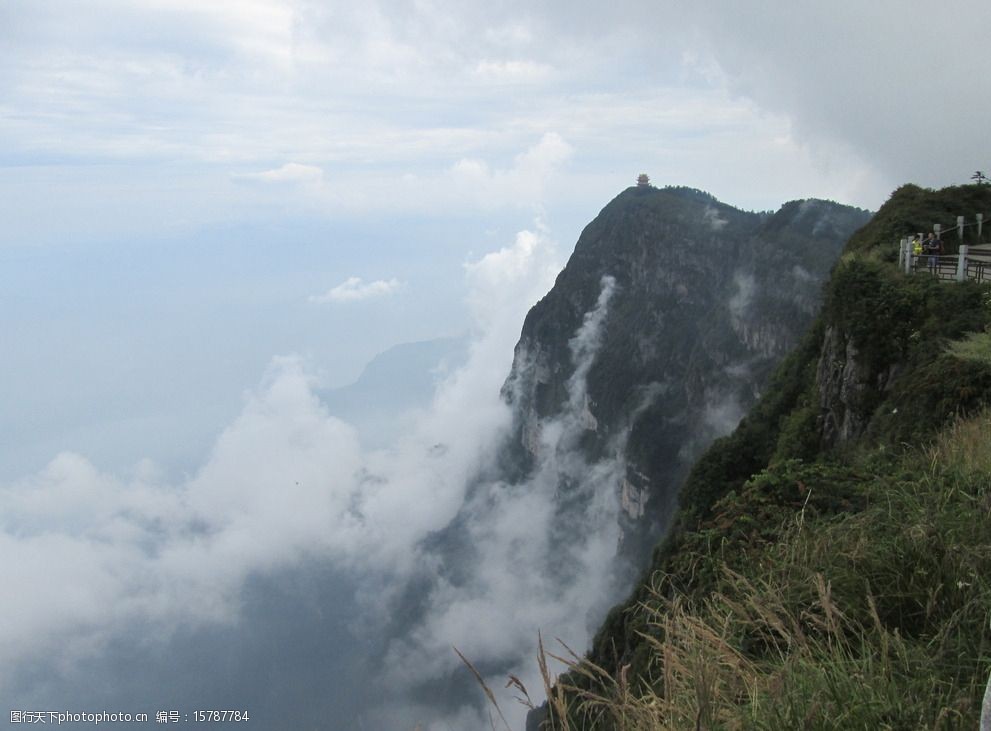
(189, 189)
(213, 210)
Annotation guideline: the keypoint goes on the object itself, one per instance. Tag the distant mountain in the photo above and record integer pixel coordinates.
(393, 386)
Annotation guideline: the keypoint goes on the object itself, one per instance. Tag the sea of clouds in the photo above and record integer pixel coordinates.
(368, 565)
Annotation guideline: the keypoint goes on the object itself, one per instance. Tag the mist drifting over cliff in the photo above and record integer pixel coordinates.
(310, 575)
(284, 561)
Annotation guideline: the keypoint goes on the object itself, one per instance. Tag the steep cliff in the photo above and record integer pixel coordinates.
(703, 301)
(846, 519)
(657, 336)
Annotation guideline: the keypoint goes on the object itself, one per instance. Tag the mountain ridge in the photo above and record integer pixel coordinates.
(846, 518)
(694, 327)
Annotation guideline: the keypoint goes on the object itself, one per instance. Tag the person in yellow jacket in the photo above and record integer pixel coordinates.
(916, 250)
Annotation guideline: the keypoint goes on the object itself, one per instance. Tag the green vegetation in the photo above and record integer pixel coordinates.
(912, 209)
(891, 318)
(976, 347)
(821, 596)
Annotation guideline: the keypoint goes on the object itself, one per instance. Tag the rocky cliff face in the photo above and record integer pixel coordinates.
(848, 388)
(693, 303)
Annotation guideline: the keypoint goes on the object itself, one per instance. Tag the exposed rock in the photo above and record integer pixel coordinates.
(847, 387)
(707, 299)
(634, 493)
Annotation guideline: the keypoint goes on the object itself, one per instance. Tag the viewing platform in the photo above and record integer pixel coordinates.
(972, 262)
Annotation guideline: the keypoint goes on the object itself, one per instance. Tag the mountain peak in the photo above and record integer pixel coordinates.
(705, 299)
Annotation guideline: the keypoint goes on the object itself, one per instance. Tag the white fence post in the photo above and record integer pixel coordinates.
(962, 262)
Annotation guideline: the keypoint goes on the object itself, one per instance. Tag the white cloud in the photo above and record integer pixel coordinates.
(94, 554)
(430, 94)
(711, 216)
(745, 289)
(527, 72)
(494, 280)
(291, 172)
(354, 289)
(848, 77)
(522, 183)
(97, 553)
(528, 577)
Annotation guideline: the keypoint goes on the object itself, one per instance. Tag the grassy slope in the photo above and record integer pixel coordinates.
(820, 596)
(814, 588)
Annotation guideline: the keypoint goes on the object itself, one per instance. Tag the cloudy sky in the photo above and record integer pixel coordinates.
(190, 188)
(211, 210)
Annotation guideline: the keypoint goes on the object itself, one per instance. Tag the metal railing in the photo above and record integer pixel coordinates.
(971, 263)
